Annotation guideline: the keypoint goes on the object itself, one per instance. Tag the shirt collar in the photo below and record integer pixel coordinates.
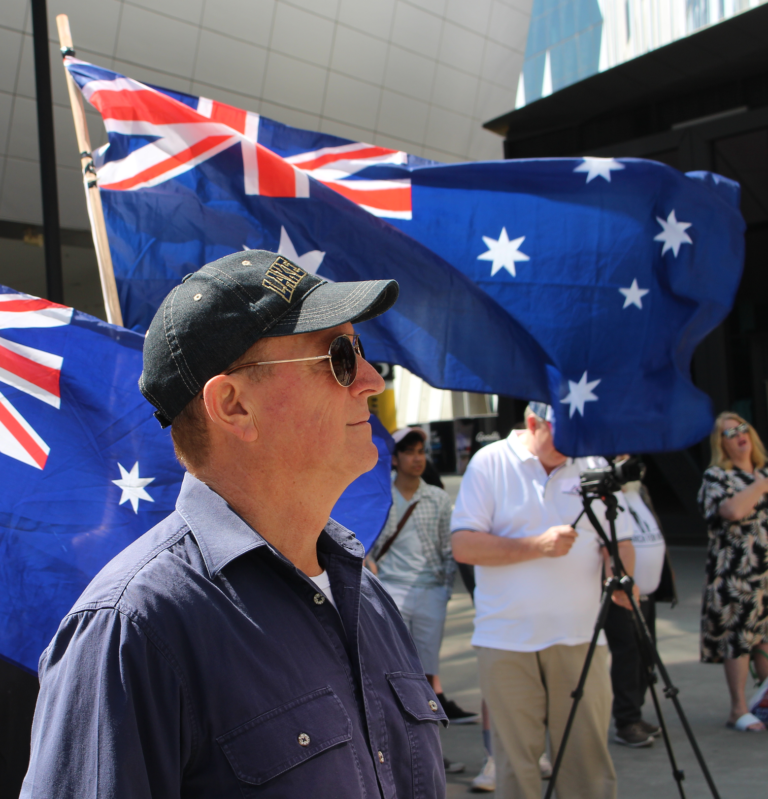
(522, 452)
(222, 535)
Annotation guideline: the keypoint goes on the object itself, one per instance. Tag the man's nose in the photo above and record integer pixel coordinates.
(368, 380)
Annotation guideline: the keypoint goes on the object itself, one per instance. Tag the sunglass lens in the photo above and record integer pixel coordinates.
(343, 361)
(360, 347)
(735, 431)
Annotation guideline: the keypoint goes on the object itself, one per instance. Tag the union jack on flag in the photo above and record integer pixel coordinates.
(156, 134)
(30, 370)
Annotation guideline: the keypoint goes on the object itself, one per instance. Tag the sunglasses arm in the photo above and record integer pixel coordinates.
(269, 363)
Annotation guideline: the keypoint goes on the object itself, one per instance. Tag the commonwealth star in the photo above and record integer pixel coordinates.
(133, 486)
(503, 253)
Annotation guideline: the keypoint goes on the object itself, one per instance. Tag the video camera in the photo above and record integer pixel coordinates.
(610, 478)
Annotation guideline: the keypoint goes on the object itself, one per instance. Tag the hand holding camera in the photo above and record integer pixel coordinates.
(557, 541)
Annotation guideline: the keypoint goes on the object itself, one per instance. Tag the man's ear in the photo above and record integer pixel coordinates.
(531, 423)
(230, 406)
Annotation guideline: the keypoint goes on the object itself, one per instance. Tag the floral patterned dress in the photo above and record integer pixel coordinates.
(735, 606)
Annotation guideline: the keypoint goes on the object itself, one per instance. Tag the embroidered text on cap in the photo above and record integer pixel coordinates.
(282, 277)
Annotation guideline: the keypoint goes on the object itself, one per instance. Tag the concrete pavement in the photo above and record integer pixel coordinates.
(738, 761)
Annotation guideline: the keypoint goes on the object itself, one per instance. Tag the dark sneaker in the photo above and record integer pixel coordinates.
(652, 729)
(452, 766)
(633, 735)
(455, 714)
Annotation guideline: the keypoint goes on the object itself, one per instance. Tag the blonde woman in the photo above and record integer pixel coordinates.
(734, 624)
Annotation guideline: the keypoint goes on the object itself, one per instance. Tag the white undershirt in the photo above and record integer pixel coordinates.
(323, 583)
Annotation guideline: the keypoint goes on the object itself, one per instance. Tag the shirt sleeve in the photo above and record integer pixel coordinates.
(110, 718)
(475, 504)
(715, 488)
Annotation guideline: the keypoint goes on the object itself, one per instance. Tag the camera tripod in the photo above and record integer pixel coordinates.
(648, 651)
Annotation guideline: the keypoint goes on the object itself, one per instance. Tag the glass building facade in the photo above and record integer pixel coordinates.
(569, 40)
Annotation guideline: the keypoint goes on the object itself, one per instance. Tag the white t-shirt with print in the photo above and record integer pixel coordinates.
(647, 539)
(529, 606)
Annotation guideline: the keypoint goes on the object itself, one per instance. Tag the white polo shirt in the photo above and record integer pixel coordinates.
(529, 606)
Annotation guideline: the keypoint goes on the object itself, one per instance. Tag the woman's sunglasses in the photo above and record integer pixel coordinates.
(732, 432)
(342, 354)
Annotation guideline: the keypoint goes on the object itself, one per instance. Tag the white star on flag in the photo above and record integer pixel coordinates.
(503, 253)
(598, 167)
(579, 393)
(133, 486)
(673, 234)
(310, 261)
(634, 295)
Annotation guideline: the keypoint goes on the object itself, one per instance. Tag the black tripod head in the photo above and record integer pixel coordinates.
(609, 479)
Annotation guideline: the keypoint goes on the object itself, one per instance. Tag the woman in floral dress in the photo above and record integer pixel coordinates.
(734, 625)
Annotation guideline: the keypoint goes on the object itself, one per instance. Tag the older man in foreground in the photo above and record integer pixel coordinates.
(239, 648)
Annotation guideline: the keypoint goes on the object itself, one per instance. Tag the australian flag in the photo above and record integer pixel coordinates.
(86, 468)
(585, 283)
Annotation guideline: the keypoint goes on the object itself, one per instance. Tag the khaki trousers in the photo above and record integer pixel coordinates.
(528, 692)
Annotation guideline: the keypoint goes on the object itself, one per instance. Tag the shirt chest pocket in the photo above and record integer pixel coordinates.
(422, 712)
(285, 738)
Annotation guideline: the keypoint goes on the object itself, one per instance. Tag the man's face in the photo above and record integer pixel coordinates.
(543, 442)
(305, 417)
(412, 461)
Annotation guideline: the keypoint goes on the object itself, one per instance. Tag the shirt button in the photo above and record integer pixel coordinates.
(433, 705)
(319, 599)
(381, 757)
(303, 739)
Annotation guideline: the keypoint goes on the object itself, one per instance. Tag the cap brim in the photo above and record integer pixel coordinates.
(332, 304)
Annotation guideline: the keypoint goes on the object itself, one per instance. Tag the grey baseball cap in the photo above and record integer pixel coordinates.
(215, 314)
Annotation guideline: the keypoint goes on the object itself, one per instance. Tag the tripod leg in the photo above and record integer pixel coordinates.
(646, 656)
(677, 773)
(605, 603)
(669, 691)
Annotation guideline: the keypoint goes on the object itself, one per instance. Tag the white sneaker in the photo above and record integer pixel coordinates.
(486, 779)
(545, 766)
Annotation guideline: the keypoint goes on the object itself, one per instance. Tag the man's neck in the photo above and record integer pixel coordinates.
(407, 485)
(550, 462)
(287, 510)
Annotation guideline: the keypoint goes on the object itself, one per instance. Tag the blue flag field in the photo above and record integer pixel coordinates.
(85, 467)
(586, 283)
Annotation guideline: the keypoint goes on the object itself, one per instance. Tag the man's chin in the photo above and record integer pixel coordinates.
(368, 458)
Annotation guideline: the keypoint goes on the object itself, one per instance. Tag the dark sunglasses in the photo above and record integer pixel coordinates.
(732, 432)
(342, 354)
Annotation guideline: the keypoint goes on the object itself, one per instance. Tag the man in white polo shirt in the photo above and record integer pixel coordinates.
(537, 599)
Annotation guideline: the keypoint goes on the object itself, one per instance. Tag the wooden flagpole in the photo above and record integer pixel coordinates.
(92, 195)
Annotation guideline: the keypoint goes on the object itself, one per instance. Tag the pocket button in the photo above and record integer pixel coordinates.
(433, 705)
(303, 739)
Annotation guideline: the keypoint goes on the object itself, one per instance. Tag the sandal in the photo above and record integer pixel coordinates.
(743, 723)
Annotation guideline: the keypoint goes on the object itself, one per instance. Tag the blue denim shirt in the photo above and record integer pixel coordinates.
(201, 663)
